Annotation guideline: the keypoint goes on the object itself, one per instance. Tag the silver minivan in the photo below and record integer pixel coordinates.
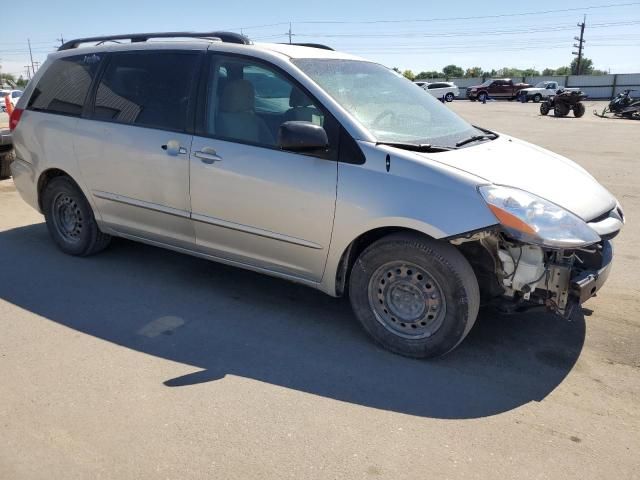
(310, 165)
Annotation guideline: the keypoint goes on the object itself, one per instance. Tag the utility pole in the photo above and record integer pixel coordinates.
(31, 55)
(580, 45)
(37, 66)
(290, 33)
(28, 67)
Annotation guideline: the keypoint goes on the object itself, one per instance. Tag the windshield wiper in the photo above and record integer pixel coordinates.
(474, 138)
(417, 147)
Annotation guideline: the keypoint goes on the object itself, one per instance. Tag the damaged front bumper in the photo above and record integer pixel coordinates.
(587, 282)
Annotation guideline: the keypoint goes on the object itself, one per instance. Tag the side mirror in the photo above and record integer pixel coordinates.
(296, 136)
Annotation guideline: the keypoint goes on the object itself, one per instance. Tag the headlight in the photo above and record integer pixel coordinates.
(532, 219)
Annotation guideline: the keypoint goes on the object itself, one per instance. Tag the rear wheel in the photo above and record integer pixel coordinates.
(544, 108)
(449, 97)
(537, 97)
(578, 110)
(415, 296)
(70, 220)
(561, 110)
(5, 163)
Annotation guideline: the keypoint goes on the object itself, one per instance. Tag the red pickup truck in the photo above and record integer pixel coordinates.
(496, 88)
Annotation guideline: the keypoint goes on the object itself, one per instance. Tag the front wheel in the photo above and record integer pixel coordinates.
(578, 110)
(449, 97)
(70, 220)
(415, 296)
(561, 110)
(544, 108)
(482, 96)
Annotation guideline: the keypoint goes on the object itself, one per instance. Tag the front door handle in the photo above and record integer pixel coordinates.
(173, 148)
(208, 155)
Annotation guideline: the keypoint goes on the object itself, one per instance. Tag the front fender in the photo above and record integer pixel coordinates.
(416, 194)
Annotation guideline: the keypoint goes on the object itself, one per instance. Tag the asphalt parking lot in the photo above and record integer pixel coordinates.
(143, 363)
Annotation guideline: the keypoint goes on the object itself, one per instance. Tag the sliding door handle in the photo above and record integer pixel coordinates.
(208, 156)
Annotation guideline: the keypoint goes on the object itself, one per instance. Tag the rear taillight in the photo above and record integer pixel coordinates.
(14, 118)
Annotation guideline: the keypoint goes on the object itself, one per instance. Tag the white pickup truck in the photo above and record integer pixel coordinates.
(542, 90)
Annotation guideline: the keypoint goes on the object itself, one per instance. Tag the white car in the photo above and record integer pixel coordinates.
(543, 90)
(14, 96)
(448, 90)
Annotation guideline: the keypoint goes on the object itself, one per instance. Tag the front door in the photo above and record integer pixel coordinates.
(253, 203)
(133, 151)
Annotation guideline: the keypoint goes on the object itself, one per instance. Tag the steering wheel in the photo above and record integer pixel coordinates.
(382, 116)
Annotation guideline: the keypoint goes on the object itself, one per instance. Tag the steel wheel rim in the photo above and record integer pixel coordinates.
(67, 217)
(406, 300)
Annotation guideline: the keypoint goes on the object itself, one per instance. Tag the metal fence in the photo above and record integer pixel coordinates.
(595, 86)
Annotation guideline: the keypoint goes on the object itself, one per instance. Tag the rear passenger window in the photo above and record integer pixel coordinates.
(149, 89)
(64, 85)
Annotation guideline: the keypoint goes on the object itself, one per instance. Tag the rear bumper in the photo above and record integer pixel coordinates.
(587, 283)
(6, 141)
(24, 178)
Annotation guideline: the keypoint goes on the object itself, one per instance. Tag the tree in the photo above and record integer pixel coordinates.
(530, 72)
(563, 71)
(452, 71)
(549, 72)
(409, 74)
(21, 82)
(586, 66)
(429, 74)
(397, 70)
(473, 72)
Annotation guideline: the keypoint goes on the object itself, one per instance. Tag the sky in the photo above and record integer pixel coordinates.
(416, 35)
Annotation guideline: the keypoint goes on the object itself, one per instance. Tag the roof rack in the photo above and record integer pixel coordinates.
(227, 37)
(311, 45)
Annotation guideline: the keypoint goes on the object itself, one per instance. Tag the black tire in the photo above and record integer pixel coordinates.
(426, 307)
(449, 97)
(561, 110)
(537, 97)
(482, 96)
(544, 108)
(70, 220)
(5, 163)
(578, 110)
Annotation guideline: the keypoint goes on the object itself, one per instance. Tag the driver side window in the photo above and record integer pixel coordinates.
(247, 102)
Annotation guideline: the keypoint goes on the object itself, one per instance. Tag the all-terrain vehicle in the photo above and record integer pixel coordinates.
(563, 102)
(623, 105)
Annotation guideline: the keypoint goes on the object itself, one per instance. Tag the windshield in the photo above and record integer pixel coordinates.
(486, 83)
(541, 85)
(3, 93)
(387, 105)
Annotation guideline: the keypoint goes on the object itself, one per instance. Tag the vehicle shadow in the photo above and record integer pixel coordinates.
(223, 321)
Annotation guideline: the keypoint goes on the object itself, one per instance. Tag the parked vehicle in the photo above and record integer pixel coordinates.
(498, 88)
(623, 105)
(348, 179)
(447, 90)
(7, 154)
(14, 95)
(542, 90)
(563, 102)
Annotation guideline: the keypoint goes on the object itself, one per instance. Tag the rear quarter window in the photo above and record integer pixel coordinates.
(64, 86)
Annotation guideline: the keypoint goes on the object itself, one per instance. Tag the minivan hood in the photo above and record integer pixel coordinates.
(512, 162)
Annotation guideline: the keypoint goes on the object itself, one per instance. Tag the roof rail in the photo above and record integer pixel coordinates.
(227, 37)
(311, 45)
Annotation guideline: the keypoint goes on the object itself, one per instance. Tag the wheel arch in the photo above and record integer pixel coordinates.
(358, 245)
(45, 178)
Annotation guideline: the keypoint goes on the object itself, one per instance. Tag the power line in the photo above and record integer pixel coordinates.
(475, 17)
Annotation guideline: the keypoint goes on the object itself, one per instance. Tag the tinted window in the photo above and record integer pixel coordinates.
(64, 85)
(149, 89)
(16, 94)
(248, 102)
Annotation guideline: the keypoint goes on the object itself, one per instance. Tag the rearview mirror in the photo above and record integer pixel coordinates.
(299, 136)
